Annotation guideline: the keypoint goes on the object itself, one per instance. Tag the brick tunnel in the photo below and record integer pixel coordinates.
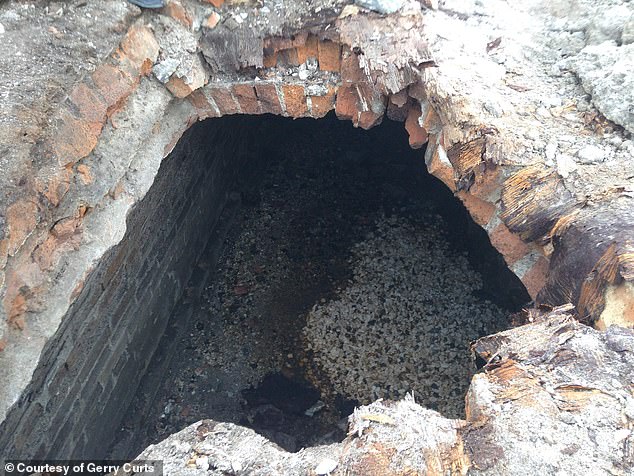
(273, 219)
(274, 266)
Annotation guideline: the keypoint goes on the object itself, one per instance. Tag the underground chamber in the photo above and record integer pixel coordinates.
(276, 274)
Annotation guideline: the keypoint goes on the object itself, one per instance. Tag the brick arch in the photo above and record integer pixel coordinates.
(45, 256)
(346, 89)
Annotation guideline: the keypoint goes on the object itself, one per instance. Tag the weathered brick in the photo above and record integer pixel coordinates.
(295, 100)
(84, 174)
(347, 103)
(215, 3)
(4, 252)
(17, 307)
(179, 87)
(329, 56)
(138, 50)
(322, 105)
(177, 11)
(369, 119)
(399, 99)
(438, 164)
(480, 210)
(288, 57)
(114, 86)
(203, 106)
(268, 97)
(396, 113)
(417, 134)
(21, 218)
(431, 120)
(398, 106)
(74, 139)
(488, 184)
(90, 105)
(270, 58)
(417, 91)
(195, 79)
(212, 21)
(224, 99)
(246, 97)
(351, 73)
(508, 244)
(310, 49)
(535, 278)
(57, 186)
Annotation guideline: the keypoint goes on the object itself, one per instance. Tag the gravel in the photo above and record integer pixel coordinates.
(404, 322)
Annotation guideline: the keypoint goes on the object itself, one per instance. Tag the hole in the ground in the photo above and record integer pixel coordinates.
(338, 272)
(276, 273)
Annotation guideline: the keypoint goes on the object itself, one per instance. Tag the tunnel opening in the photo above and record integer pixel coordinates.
(338, 272)
(276, 274)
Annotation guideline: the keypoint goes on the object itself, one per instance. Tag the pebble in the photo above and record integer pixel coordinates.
(326, 466)
(591, 154)
(2, 30)
(565, 165)
(202, 463)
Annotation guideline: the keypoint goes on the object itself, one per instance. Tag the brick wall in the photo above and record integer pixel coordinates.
(88, 372)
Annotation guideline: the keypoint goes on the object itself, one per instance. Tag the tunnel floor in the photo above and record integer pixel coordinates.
(340, 272)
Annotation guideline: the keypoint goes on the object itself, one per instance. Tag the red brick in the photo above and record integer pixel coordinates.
(310, 49)
(270, 59)
(351, 73)
(203, 107)
(369, 119)
(295, 100)
(417, 135)
(21, 217)
(396, 113)
(140, 46)
(56, 186)
(322, 105)
(216, 3)
(508, 244)
(178, 87)
(224, 100)
(535, 278)
(487, 185)
(437, 167)
(74, 139)
(246, 97)
(480, 210)
(176, 10)
(114, 86)
(399, 99)
(212, 20)
(84, 174)
(288, 57)
(347, 103)
(329, 56)
(269, 100)
(89, 103)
